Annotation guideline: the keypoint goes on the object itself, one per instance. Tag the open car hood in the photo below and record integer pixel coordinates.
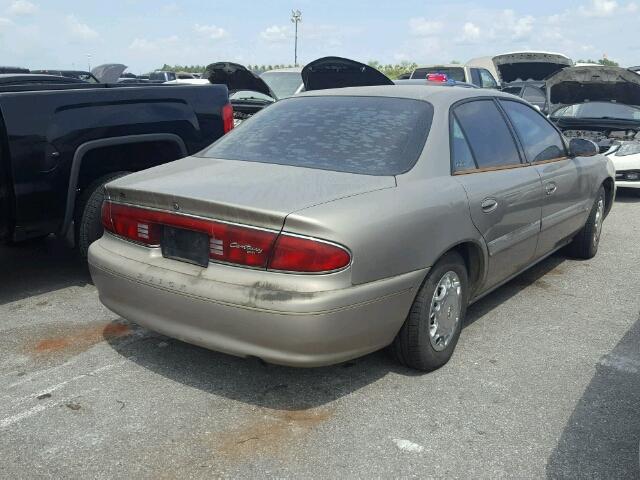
(593, 84)
(336, 72)
(237, 77)
(109, 72)
(529, 65)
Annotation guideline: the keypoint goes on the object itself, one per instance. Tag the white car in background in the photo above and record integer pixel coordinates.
(284, 82)
(478, 76)
(626, 159)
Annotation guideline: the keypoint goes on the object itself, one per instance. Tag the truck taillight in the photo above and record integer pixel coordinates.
(229, 243)
(227, 118)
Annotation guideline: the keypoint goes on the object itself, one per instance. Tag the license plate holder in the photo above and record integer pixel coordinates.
(185, 245)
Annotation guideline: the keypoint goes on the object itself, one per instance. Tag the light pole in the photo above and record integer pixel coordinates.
(296, 17)
(89, 61)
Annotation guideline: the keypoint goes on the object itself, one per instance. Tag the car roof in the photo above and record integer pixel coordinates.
(432, 94)
(285, 70)
(34, 77)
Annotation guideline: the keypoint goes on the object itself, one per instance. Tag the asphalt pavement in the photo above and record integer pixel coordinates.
(545, 382)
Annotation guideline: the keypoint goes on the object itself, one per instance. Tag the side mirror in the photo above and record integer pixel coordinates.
(580, 147)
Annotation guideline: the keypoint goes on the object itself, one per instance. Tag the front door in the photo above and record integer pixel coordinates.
(504, 193)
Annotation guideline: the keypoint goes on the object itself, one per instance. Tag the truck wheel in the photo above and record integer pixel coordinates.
(585, 243)
(88, 224)
(430, 333)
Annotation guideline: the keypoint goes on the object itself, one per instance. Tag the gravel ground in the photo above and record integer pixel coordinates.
(545, 382)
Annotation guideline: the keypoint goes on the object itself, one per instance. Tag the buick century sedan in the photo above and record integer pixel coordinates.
(339, 222)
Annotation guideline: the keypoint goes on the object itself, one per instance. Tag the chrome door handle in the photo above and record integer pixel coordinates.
(550, 188)
(488, 205)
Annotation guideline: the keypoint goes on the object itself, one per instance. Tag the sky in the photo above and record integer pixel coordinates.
(145, 34)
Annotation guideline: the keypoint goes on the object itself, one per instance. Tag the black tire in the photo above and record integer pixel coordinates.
(88, 224)
(585, 244)
(412, 346)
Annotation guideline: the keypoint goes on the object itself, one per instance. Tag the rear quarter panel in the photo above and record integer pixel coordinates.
(395, 230)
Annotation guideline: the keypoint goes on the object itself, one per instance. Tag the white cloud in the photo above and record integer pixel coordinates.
(275, 34)
(603, 8)
(80, 30)
(471, 32)
(211, 31)
(421, 27)
(170, 8)
(519, 27)
(22, 7)
(144, 45)
(4, 22)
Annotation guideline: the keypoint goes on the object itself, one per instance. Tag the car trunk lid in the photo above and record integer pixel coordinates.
(237, 77)
(525, 66)
(337, 72)
(250, 193)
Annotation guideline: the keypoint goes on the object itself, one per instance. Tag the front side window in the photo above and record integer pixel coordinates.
(488, 135)
(355, 134)
(539, 139)
(487, 79)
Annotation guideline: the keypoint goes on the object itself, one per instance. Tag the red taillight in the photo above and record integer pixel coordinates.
(436, 77)
(131, 223)
(227, 118)
(296, 254)
(229, 243)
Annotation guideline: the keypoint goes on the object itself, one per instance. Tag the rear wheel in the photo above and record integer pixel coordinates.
(88, 224)
(430, 333)
(585, 243)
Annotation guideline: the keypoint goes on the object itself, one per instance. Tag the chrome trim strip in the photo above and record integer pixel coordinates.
(208, 219)
(560, 216)
(506, 241)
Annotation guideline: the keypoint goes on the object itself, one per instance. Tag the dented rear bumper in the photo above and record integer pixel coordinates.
(298, 320)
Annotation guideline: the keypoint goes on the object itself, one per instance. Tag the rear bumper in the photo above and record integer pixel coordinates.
(307, 326)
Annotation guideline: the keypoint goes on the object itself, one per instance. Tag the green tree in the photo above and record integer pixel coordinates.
(603, 61)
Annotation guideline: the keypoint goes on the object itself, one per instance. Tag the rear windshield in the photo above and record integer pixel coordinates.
(366, 135)
(455, 73)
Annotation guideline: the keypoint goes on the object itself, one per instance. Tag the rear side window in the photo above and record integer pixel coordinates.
(487, 79)
(365, 135)
(487, 132)
(539, 139)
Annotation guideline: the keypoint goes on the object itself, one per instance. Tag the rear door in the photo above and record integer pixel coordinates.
(504, 192)
(563, 208)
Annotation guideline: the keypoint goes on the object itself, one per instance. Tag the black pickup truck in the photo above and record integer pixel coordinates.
(61, 142)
